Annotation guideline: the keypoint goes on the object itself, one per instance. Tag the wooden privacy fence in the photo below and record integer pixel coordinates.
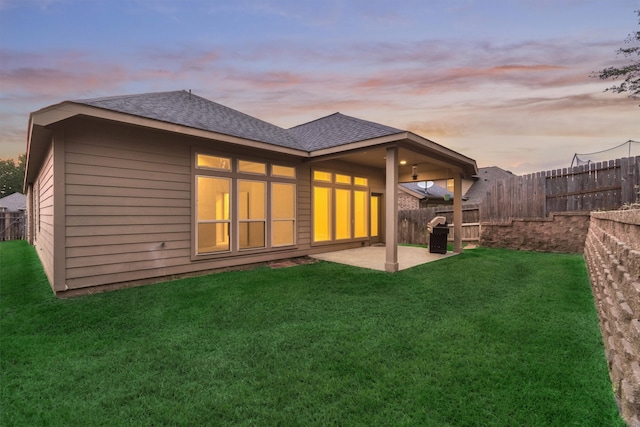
(597, 186)
(13, 225)
(412, 224)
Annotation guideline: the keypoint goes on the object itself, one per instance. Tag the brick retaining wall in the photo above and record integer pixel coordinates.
(612, 252)
(561, 232)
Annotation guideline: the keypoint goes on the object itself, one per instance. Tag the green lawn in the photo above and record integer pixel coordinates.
(486, 338)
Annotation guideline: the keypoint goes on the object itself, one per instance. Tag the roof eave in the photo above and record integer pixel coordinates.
(68, 109)
(37, 132)
(466, 164)
(357, 145)
(411, 192)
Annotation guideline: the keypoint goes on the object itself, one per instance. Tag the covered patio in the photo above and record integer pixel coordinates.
(374, 257)
(403, 157)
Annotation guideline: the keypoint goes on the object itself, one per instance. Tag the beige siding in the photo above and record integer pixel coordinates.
(127, 203)
(43, 231)
(128, 212)
(304, 206)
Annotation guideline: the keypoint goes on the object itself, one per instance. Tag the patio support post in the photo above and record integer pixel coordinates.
(457, 212)
(391, 210)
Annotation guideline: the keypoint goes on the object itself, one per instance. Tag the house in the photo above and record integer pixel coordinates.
(483, 182)
(12, 216)
(416, 195)
(15, 202)
(132, 189)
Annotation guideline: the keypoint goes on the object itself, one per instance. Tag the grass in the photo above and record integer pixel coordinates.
(489, 337)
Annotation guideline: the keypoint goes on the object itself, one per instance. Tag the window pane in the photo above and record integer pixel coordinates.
(322, 176)
(285, 171)
(283, 201)
(252, 167)
(251, 199)
(450, 185)
(375, 206)
(283, 233)
(213, 198)
(283, 212)
(321, 214)
(343, 179)
(343, 214)
(252, 235)
(213, 162)
(213, 237)
(360, 181)
(360, 214)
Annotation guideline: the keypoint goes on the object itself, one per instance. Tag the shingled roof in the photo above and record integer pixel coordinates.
(187, 109)
(184, 108)
(337, 129)
(433, 192)
(14, 202)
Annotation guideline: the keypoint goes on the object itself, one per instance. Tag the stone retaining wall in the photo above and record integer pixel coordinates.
(561, 232)
(612, 252)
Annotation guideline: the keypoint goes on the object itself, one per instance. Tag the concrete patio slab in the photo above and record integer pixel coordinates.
(373, 257)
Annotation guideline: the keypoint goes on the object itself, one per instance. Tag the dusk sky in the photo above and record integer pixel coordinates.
(505, 82)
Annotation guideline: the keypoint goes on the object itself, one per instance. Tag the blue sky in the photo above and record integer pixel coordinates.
(504, 82)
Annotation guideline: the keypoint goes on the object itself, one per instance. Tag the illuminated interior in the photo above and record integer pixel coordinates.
(246, 166)
(322, 176)
(340, 212)
(213, 162)
(213, 214)
(283, 203)
(321, 214)
(360, 214)
(252, 201)
(283, 171)
(375, 216)
(343, 214)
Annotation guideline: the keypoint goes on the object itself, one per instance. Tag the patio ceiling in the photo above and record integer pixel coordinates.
(432, 164)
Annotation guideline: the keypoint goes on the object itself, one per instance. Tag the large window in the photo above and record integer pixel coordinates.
(283, 214)
(375, 215)
(239, 206)
(213, 214)
(340, 207)
(252, 201)
(322, 226)
(343, 214)
(360, 214)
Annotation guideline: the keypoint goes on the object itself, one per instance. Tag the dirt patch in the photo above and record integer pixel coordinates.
(292, 262)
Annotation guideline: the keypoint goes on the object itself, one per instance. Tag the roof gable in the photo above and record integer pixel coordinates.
(486, 177)
(184, 108)
(337, 129)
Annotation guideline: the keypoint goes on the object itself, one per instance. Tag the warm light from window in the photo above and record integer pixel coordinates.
(213, 162)
(322, 176)
(284, 171)
(360, 181)
(252, 167)
(343, 179)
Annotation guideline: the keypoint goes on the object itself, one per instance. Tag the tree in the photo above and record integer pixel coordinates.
(12, 175)
(630, 72)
